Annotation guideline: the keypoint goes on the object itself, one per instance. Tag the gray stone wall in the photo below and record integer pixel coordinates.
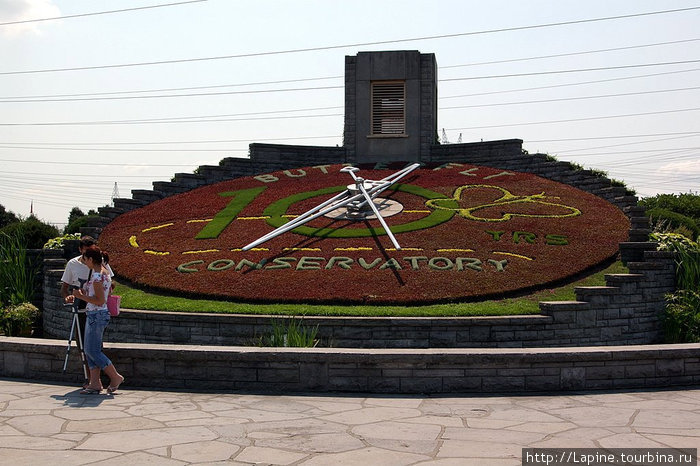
(625, 312)
(294, 156)
(378, 371)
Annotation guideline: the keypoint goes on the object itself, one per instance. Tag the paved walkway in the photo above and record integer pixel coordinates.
(53, 424)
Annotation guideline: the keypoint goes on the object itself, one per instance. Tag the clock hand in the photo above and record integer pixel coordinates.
(380, 185)
(394, 177)
(338, 201)
(379, 216)
(306, 217)
(360, 184)
(302, 218)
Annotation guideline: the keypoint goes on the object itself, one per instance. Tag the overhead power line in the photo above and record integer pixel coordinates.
(174, 89)
(579, 70)
(211, 141)
(361, 44)
(11, 195)
(681, 153)
(98, 13)
(121, 164)
(260, 91)
(569, 54)
(185, 119)
(79, 186)
(207, 117)
(166, 96)
(507, 125)
(565, 99)
(168, 120)
(639, 151)
(215, 141)
(113, 149)
(595, 138)
(287, 81)
(580, 83)
(227, 117)
(627, 144)
(12, 175)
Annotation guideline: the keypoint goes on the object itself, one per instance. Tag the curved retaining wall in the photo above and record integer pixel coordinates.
(378, 370)
(626, 311)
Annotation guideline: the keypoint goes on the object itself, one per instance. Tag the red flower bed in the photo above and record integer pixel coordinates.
(466, 232)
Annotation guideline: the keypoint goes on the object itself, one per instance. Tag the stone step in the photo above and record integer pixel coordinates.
(639, 234)
(640, 222)
(147, 195)
(128, 204)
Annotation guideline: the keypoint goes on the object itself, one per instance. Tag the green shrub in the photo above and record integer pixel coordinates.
(16, 272)
(687, 258)
(685, 204)
(664, 219)
(290, 333)
(682, 318)
(34, 232)
(16, 317)
(58, 242)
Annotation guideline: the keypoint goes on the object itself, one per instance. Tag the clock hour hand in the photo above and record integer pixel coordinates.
(370, 201)
(319, 210)
(379, 186)
(343, 199)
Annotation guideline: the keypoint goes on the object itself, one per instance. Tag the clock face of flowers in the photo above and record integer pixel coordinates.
(466, 232)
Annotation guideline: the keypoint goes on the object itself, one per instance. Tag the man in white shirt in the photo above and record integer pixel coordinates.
(76, 274)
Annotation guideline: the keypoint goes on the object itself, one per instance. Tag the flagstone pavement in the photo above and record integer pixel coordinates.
(53, 424)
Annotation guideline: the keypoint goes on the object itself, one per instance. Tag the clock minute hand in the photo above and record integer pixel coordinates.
(370, 201)
(338, 201)
(301, 218)
(377, 188)
(381, 185)
(306, 217)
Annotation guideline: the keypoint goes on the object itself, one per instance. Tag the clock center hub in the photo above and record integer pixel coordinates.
(355, 211)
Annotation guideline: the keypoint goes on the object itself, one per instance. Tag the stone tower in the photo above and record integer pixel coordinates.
(390, 106)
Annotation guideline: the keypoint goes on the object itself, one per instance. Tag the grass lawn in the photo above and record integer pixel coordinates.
(136, 299)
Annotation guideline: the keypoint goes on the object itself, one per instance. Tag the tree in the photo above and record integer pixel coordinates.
(34, 232)
(74, 214)
(77, 224)
(77, 219)
(7, 217)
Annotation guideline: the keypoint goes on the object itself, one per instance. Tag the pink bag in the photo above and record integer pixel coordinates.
(113, 303)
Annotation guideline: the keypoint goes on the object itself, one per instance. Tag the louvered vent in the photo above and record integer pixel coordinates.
(389, 107)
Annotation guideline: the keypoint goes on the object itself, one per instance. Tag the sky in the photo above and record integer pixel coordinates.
(93, 99)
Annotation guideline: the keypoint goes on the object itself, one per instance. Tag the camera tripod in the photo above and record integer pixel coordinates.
(75, 332)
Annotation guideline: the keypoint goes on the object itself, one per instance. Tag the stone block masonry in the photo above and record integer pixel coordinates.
(625, 312)
(372, 371)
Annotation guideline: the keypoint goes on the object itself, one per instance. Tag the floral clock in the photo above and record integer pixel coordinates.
(467, 232)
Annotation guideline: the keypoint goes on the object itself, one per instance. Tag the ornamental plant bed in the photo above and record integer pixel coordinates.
(467, 232)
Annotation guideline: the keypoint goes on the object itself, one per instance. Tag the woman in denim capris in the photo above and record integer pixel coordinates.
(96, 291)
